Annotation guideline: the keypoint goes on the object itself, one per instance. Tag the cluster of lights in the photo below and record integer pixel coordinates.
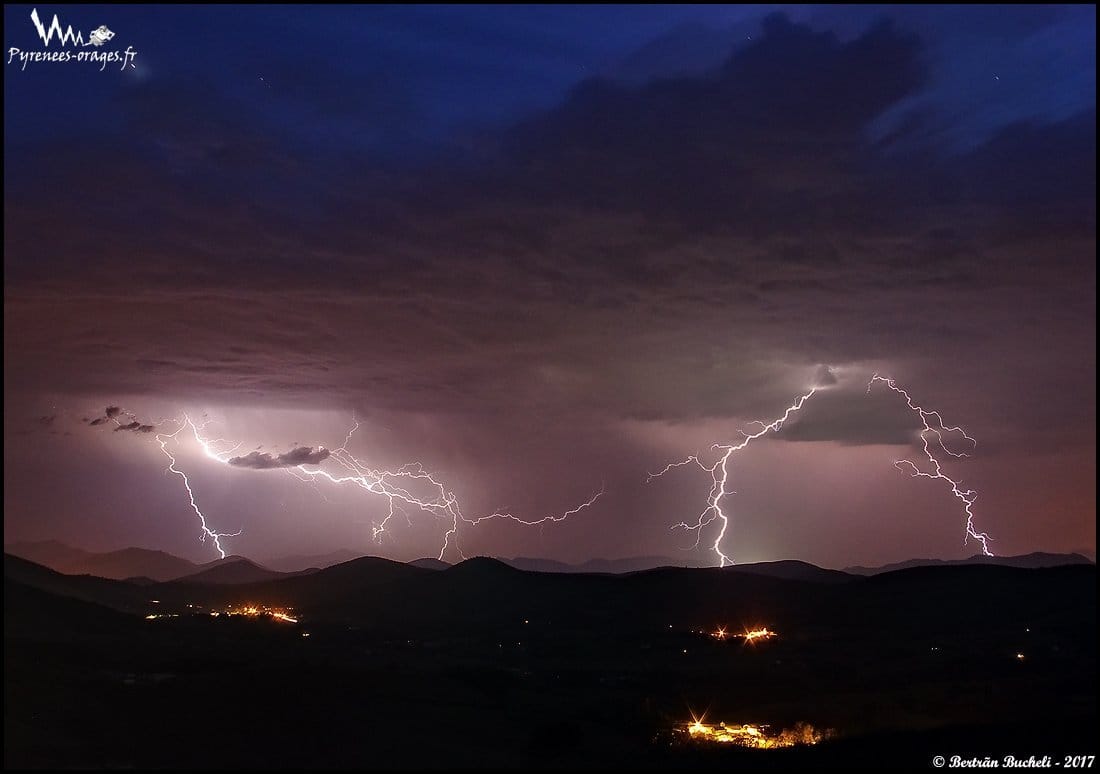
(760, 737)
(285, 614)
(749, 635)
(758, 634)
(261, 611)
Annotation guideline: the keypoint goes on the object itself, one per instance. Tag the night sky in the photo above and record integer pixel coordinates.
(543, 251)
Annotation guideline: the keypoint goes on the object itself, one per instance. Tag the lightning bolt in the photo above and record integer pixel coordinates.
(719, 475)
(162, 440)
(410, 485)
(933, 427)
(442, 503)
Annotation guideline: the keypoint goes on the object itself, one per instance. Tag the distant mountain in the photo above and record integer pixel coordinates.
(613, 566)
(428, 563)
(50, 553)
(487, 595)
(341, 589)
(232, 571)
(131, 562)
(1034, 560)
(306, 561)
(117, 565)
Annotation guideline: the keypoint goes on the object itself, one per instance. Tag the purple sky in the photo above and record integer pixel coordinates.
(546, 251)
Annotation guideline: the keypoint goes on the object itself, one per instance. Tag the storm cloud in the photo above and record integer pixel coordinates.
(685, 250)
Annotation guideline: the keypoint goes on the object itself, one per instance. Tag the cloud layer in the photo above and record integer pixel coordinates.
(683, 252)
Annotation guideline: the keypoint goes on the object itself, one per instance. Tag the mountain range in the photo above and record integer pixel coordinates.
(143, 566)
(152, 566)
(1035, 560)
(494, 655)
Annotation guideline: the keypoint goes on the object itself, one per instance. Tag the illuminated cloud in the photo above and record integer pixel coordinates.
(824, 377)
(302, 455)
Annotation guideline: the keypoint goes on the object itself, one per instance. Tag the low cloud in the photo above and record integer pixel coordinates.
(301, 455)
(136, 427)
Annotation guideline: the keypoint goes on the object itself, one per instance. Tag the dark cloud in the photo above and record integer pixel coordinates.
(598, 248)
(752, 146)
(302, 455)
(112, 412)
(136, 427)
(98, 421)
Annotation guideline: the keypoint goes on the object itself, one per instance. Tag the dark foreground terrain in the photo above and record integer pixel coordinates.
(390, 665)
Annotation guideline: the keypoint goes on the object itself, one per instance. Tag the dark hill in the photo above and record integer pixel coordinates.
(482, 567)
(343, 587)
(792, 570)
(429, 563)
(110, 593)
(35, 614)
(613, 566)
(233, 570)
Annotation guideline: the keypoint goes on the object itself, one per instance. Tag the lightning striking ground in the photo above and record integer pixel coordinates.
(933, 426)
(719, 475)
(162, 440)
(399, 487)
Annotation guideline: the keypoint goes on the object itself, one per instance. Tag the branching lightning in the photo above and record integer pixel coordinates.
(934, 427)
(719, 475)
(413, 488)
(398, 486)
(162, 440)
